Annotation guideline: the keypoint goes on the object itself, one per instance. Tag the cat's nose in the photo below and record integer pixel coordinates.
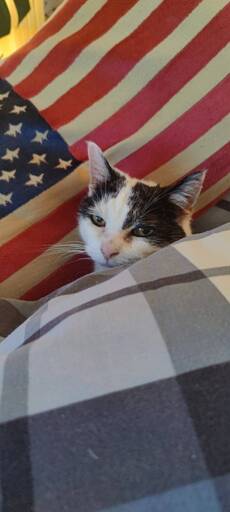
(109, 250)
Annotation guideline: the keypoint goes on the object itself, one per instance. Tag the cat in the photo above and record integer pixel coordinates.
(123, 219)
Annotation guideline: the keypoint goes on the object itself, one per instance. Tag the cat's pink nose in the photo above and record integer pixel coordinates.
(109, 250)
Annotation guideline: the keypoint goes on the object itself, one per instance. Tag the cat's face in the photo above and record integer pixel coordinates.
(123, 219)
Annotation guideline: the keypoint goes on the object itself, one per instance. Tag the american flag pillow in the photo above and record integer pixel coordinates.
(147, 81)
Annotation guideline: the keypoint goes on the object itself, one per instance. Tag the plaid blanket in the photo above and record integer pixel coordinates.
(13, 312)
(145, 79)
(115, 392)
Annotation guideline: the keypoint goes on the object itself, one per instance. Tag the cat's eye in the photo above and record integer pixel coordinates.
(142, 231)
(97, 220)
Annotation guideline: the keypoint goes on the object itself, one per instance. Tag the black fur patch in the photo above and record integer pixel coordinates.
(110, 187)
(151, 206)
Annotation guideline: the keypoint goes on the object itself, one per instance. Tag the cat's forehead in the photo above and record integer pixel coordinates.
(114, 208)
(123, 208)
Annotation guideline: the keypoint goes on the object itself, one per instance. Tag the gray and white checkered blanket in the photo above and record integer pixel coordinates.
(115, 392)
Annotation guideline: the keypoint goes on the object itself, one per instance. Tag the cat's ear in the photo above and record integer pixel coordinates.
(98, 165)
(185, 193)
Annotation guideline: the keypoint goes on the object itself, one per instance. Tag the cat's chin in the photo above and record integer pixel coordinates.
(99, 267)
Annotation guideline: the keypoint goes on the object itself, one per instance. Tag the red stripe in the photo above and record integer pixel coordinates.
(73, 269)
(217, 165)
(64, 53)
(179, 135)
(56, 24)
(37, 238)
(33, 241)
(158, 92)
(118, 61)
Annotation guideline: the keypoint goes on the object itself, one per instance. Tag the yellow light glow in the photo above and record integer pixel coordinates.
(21, 33)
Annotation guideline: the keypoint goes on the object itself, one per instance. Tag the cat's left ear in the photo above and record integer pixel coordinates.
(99, 168)
(186, 192)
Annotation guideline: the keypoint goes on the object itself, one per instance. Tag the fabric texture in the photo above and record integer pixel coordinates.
(115, 392)
(147, 81)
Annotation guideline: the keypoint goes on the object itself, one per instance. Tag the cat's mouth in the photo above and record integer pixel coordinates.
(113, 263)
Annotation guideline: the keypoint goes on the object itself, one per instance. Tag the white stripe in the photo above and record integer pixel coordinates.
(93, 53)
(215, 71)
(144, 71)
(36, 56)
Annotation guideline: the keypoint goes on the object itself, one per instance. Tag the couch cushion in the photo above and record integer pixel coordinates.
(115, 396)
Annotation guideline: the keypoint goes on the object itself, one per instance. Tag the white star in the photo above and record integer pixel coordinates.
(35, 180)
(11, 154)
(14, 129)
(38, 159)
(4, 96)
(18, 109)
(5, 199)
(63, 164)
(40, 136)
(8, 175)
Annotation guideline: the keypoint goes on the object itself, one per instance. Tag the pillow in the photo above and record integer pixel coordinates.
(115, 397)
(147, 81)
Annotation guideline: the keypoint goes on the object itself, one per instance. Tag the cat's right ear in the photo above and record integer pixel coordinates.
(98, 165)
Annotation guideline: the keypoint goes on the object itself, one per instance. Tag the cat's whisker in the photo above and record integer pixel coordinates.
(84, 258)
(69, 243)
(67, 253)
(69, 261)
(81, 259)
(74, 243)
(69, 246)
(67, 249)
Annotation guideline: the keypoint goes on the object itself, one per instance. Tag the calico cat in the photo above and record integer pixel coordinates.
(123, 219)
